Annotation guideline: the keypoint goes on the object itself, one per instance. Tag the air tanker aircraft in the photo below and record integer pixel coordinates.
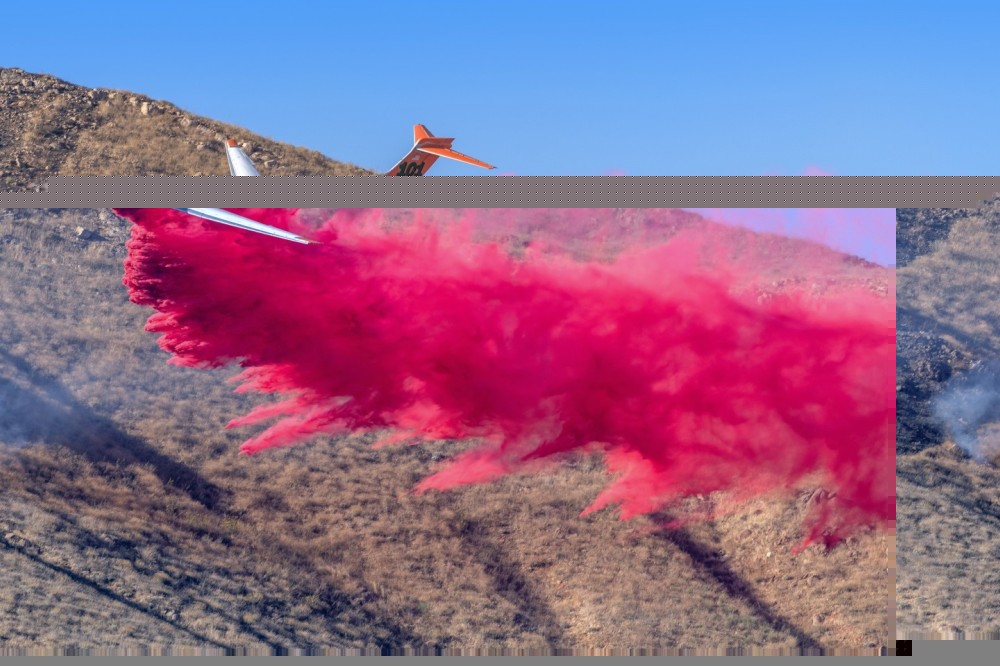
(427, 148)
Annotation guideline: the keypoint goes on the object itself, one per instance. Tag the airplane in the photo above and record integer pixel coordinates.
(426, 150)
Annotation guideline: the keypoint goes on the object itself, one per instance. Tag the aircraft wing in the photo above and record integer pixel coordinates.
(241, 165)
(233, 220)
(427, 148)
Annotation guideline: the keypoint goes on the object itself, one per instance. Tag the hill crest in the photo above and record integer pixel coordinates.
(51, 127)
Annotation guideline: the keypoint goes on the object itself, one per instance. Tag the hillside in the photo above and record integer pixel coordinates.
(130, 519)
(948, 506)
(49, 127)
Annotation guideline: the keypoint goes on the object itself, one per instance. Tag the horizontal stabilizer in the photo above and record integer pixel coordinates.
(454, 155)
(427, 148)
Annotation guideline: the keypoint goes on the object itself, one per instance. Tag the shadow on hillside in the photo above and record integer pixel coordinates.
(45, 412)
(952, 485)
(735, 586)
(108, 592)
(509, 583)
(38, 409)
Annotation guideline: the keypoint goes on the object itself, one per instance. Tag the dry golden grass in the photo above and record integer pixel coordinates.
(124, 141)
(52, 127)
(129, 518)
(948, 505)
(953, 289)
(948, 528)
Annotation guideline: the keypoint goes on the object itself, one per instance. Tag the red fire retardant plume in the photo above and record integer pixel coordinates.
(670, 357)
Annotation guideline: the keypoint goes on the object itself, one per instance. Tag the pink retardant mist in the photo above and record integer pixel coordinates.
(695, 357)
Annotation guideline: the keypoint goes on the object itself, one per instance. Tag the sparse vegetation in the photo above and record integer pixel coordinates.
(128, 517)
(51, 127)
(948, 505)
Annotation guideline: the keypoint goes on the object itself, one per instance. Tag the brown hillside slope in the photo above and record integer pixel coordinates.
(948, 506)
(127, 517)
(50, 127)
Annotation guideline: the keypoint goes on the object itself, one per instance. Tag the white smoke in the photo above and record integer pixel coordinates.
(32, 407)
(969, 408)
(12, 430)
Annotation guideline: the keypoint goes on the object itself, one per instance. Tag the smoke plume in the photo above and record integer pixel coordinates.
(672, 348)
(969, 408)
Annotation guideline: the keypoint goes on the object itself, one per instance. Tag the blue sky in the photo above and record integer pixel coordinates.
(561, 87)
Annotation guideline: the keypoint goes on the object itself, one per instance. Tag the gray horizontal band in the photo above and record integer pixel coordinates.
(509, 191)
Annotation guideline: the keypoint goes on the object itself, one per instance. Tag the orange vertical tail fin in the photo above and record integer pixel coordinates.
(427, 148)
